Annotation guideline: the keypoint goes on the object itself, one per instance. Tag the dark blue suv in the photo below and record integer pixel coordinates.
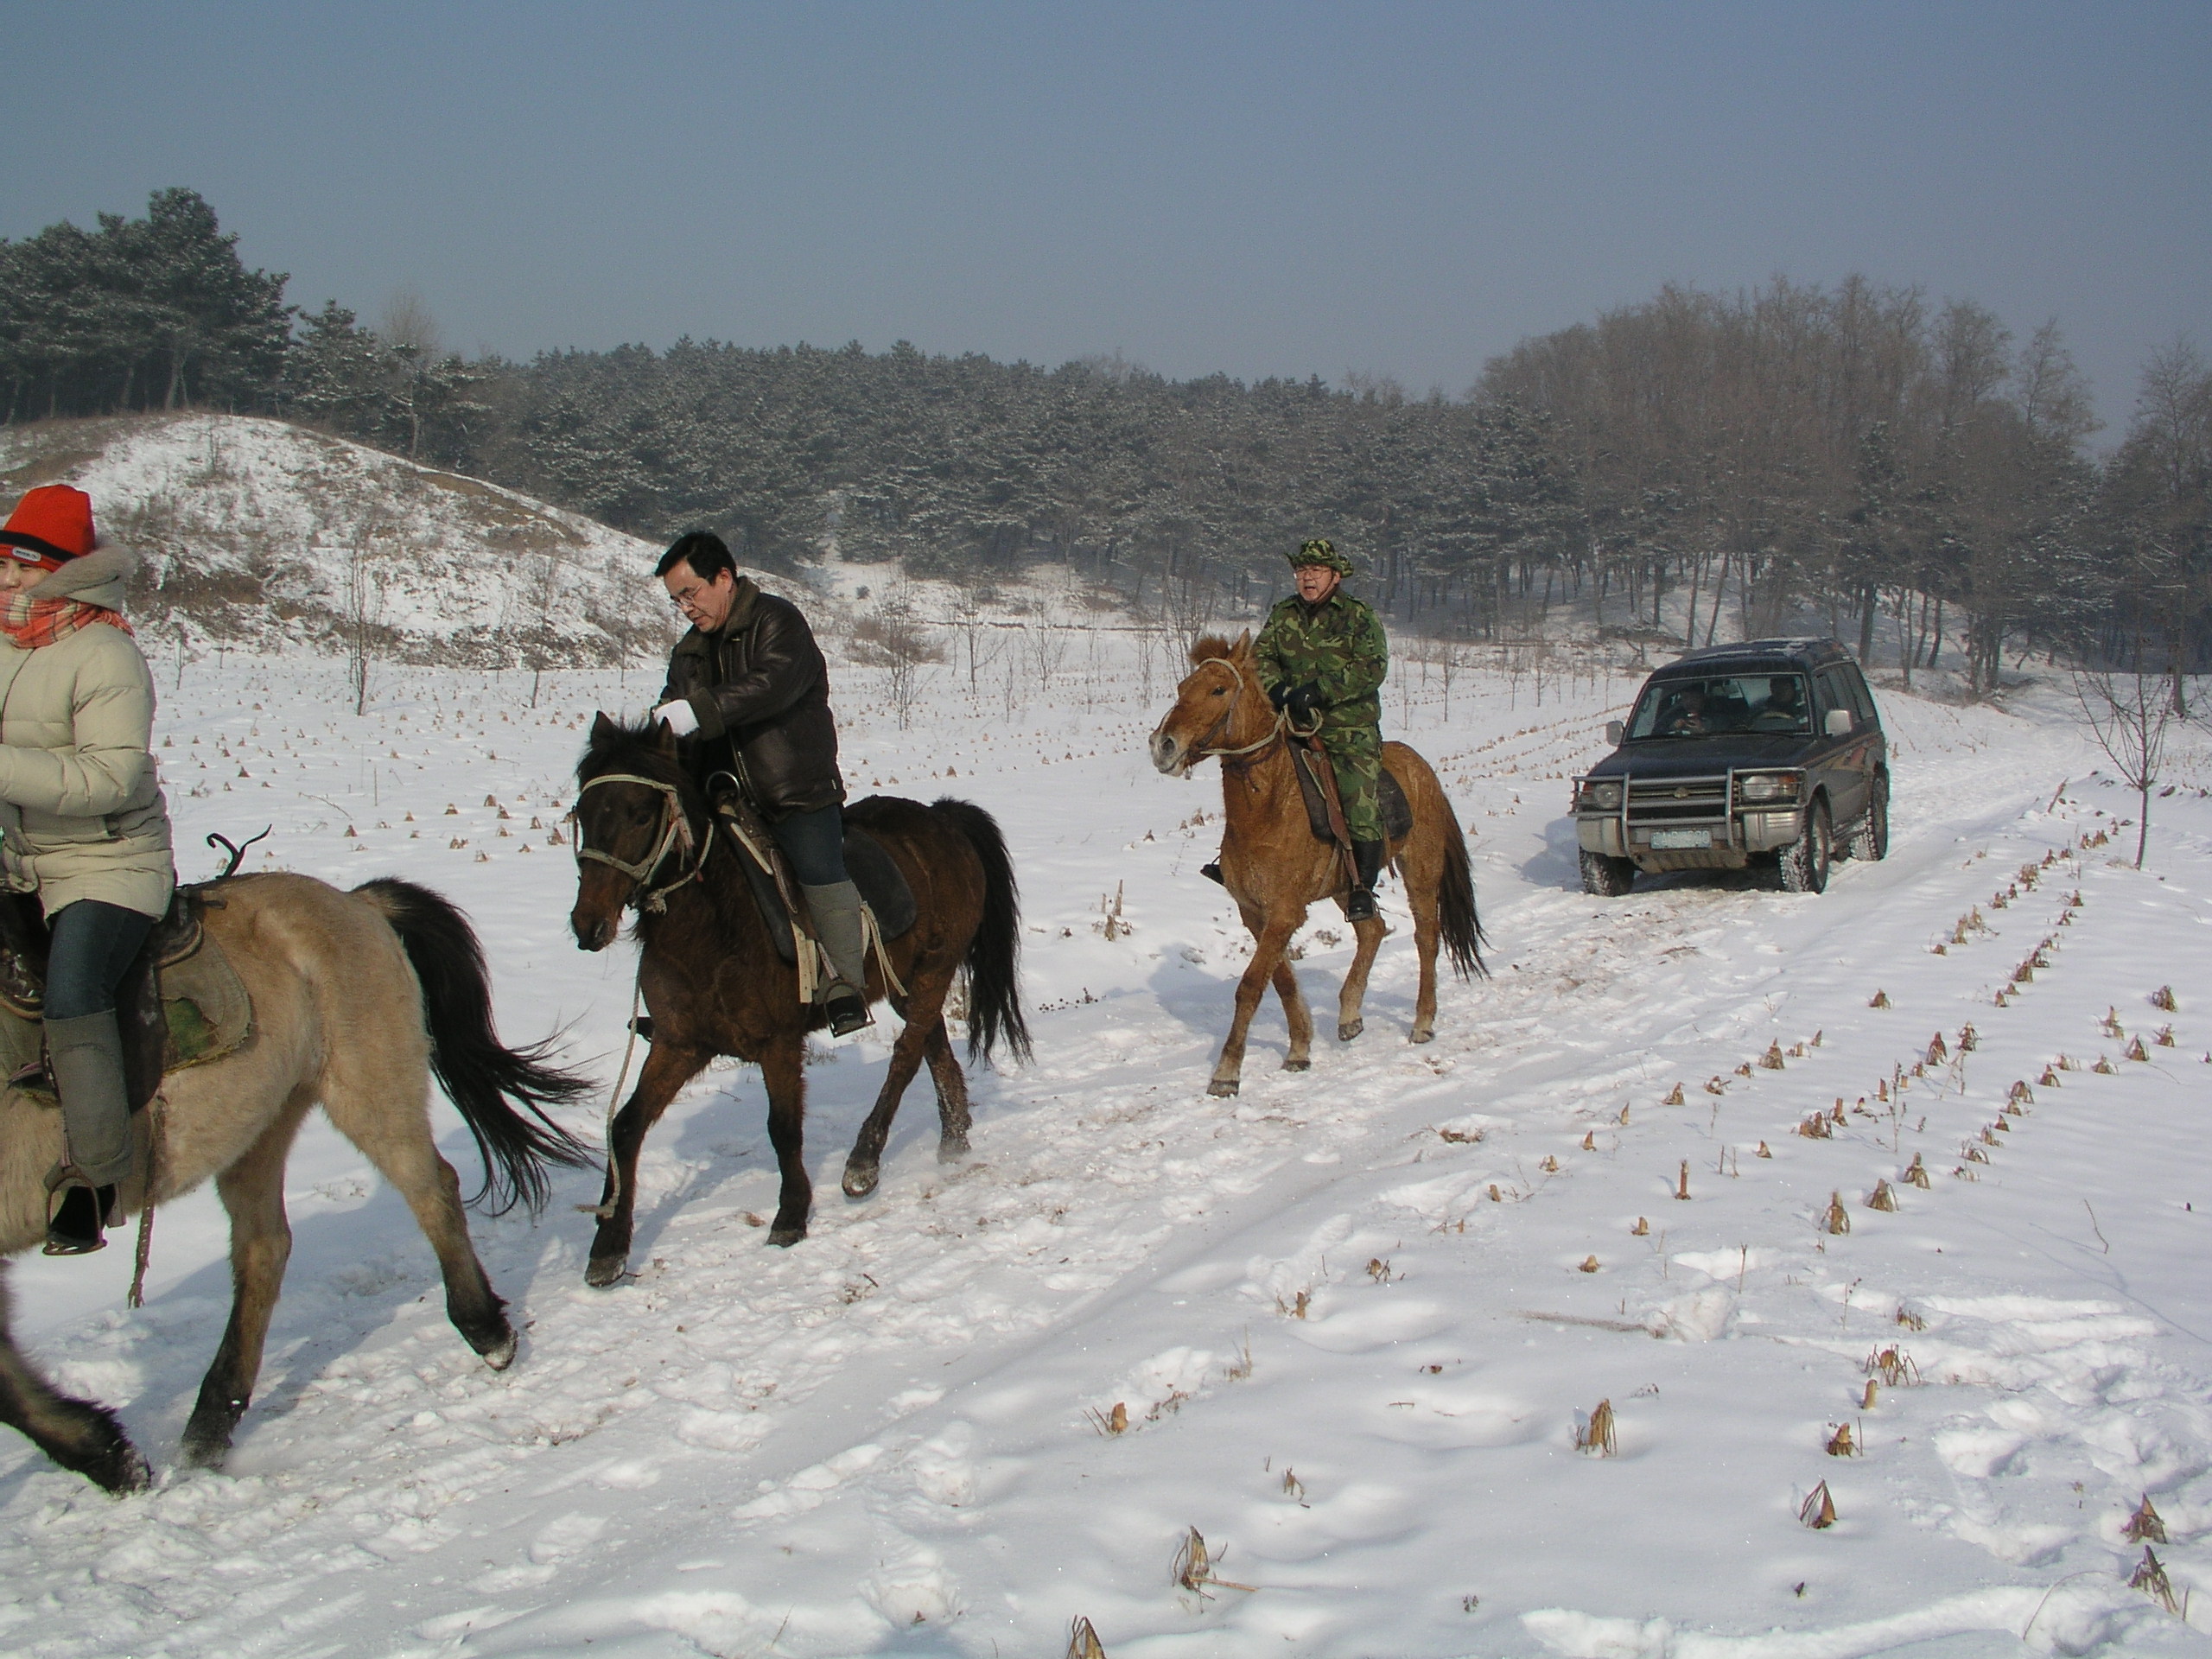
(1767, 752)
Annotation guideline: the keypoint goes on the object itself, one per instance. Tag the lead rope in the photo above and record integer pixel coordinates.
(145, 1251)
(606, 1212)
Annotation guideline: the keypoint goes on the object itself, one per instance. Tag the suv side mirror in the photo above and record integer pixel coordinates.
(1839, 722)
(1614, 732)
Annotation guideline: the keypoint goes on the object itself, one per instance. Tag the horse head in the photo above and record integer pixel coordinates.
(636, 824)
(1219, 706)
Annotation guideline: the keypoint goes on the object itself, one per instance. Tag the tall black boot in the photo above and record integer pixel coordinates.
(1366, 866)
(86, 1056)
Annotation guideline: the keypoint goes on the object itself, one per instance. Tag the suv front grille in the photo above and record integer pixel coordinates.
(1662, 803)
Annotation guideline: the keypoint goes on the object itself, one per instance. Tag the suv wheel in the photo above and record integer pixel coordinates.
(1871, 840)
(1805, 864)
(1608, 878)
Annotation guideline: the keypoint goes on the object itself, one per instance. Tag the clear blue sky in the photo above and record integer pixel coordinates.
(1403, 189)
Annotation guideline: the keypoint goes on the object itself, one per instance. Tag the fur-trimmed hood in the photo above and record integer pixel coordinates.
(99, 578)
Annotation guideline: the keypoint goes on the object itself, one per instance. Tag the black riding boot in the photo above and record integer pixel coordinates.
(1367, 862)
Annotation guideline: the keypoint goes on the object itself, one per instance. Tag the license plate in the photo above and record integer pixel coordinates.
(1664, 839)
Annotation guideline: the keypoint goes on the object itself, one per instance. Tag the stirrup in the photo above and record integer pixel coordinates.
(77, 1217)
(1359, 905)
(847, 1010)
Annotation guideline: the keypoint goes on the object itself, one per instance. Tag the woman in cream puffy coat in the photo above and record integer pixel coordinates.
(82, 821)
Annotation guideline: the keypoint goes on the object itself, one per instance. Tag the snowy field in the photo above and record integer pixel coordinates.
(1354, 1321)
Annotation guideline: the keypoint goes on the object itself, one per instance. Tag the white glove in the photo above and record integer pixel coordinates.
(679, 717)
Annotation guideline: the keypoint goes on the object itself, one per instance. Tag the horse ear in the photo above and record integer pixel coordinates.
(602, 728)
(1243, 646)
(665, 739)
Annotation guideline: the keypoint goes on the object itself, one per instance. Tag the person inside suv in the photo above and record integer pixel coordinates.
(1784, 709)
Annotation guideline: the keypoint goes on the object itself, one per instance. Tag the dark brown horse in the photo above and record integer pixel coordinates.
(1275, 867)
(713, 983)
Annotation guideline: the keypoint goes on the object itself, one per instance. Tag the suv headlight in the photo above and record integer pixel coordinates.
(1768, 785)
(1600, 797)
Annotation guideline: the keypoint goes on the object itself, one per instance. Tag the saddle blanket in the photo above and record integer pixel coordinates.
(207, 1010)
(883, 887)
(1397, 810)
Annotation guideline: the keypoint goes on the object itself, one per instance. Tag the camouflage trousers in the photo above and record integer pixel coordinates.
(1356, 757)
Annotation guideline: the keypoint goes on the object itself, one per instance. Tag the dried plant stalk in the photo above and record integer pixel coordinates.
(1938, 1052)
(2163, 1000)
(1815, 1127)
(1588, 1264)
(1881, 1000)
(1763, 1152)
(1893, 1366)
(1590, 1141)
(1599, 1434)
(2145, 1525)
(1682, 1182)
(2137, 1051)
(1193, 1567)
(1839, 1443)
(1674, 1097)
(1838, 1219)
(1772, 1058)
(1917, 1175)
(1082, 1640)
(1818, 1510)
(1883, 1198)
(1866, 1400)
(1640, 1228)
(2151, 1579)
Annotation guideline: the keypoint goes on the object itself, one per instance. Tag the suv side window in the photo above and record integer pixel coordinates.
(1834, 694)
(1859, 695)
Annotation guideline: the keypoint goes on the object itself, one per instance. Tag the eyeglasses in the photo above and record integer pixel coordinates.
(682, 598)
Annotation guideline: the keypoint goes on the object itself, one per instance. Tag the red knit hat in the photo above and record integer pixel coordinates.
(50, 526)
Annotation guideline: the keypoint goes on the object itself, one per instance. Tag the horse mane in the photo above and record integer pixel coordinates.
(1211, 647)
(617, 746)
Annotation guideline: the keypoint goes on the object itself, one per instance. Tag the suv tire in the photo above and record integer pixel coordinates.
(1871, 839)
(1805, 863)
(1608, 878)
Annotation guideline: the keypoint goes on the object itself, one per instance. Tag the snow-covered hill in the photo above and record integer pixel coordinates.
(1353, 1319)
(263, 535)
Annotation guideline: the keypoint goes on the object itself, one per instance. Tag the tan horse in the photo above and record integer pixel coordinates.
(1275, 867)
(358, 999)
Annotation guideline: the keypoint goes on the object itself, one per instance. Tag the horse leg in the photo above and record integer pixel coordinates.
(78, 1435)
(1271, 938)
(951, 1096)
(390, 1123)
(1297, 1015)
(783, 1068)
(252, 1192)
(1422, 895)
(666, 1069)
(906, 1059)
(1351, 1000)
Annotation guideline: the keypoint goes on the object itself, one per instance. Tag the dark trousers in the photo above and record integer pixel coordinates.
(814, 843)
(93, 944)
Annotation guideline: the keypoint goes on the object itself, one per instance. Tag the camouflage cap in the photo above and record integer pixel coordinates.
(1322, 552)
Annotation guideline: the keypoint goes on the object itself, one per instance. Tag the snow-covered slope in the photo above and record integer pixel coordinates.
(1353, 1319)
(262, 534)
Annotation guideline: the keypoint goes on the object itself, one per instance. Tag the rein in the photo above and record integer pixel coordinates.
(1205, 748)
(674, 836)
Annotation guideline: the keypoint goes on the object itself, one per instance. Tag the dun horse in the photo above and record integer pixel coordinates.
(358, 999)
(712, 983)
(1275, 867)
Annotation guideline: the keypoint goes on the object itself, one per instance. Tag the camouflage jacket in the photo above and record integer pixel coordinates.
(1339, 646)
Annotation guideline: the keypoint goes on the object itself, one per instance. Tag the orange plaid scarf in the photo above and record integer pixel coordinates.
(31, 621)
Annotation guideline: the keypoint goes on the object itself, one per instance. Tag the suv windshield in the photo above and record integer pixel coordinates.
(1747, 702)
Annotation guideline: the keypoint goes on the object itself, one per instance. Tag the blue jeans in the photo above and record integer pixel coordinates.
(814, 843)
(93, 944)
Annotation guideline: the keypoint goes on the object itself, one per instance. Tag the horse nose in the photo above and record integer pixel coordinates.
(1167, 751)
(592, 932)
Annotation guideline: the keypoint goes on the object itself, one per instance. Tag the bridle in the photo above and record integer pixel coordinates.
(1205, 748)
(674, 836)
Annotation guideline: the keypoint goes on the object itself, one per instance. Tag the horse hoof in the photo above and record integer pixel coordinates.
(1419, 1036)
(1349, 1029)
(1298, 1065)
(860, 1180)
(500, 1354)
(953, 1150)
(126, 1471)
(783, 1237)
(204, 1450)
(1221, 1088)
(605, 1270)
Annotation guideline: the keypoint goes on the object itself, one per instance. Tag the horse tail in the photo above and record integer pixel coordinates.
(993, 961)
(478, 1074)
(1456, 917)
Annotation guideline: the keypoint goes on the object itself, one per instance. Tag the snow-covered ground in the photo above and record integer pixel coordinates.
(1352, 1320)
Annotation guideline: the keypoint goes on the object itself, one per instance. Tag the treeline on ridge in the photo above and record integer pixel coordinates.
(1695, 465)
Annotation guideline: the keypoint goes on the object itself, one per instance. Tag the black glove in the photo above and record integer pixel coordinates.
(1303, 703)
(1279, 695)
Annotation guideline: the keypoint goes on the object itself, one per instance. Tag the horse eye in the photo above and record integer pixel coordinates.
(1220, 690)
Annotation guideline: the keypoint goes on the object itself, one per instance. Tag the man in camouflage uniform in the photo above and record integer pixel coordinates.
(1323, 655)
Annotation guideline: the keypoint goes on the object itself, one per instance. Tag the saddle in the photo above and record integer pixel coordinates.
(1397, 810)
(884, 893)
(180, 1003)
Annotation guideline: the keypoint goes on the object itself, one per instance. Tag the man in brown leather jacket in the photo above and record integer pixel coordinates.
(748, 689)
